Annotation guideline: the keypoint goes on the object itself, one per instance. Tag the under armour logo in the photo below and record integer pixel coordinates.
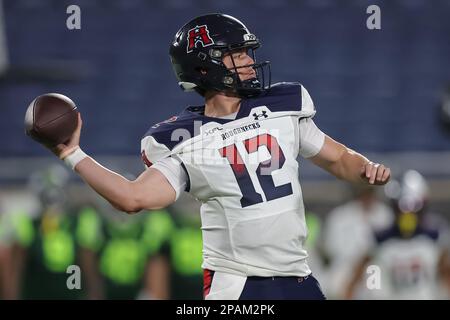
(261, 115)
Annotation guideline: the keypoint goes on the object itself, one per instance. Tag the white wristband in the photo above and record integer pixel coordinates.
(75, 157)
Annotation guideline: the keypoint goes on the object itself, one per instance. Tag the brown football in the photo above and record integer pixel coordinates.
(51, 119)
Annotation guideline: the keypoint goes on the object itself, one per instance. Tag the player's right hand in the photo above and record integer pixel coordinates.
(62, 150)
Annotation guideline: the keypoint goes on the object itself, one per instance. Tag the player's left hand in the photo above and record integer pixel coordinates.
(375, 173)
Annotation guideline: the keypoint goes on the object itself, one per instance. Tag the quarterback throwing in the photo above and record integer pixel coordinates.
(236, 154)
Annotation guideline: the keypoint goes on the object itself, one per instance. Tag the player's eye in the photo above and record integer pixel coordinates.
(240, 54)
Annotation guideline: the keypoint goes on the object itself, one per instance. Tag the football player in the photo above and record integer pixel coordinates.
(412, 253)
(237, 155)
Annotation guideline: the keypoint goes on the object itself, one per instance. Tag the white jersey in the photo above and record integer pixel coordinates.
(409, 266)
(348, 236)
(245, 173)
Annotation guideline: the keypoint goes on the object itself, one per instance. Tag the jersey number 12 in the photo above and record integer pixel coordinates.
(263, 171)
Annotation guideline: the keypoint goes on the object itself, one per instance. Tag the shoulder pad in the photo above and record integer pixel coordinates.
(287, 96)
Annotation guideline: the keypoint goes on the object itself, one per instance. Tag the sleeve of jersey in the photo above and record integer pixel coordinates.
(153, 151)
(174, 173)
(157, 156)
(311, 138)
(308, 108)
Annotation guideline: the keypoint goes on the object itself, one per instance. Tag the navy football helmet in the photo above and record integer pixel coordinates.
(197, 51)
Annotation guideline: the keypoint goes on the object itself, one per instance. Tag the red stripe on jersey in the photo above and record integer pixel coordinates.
(207, 280)
(234, 158)
(145, 159)
(254, 143)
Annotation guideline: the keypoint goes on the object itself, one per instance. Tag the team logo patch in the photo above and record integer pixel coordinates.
(199, 35)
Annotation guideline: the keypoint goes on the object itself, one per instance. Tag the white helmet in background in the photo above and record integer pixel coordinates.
(408, 197)
(414, 192)
(410, 193)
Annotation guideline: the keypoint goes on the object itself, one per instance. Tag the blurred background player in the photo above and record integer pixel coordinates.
(18, 208)
(182, 251)
(121, 254)
(412, 254)
(349, 233)
(118, 257)
(153, 255)
(156, 255)
(16, 233)
(53, 247)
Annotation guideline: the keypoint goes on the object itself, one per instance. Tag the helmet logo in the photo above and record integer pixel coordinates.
(198, 35)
